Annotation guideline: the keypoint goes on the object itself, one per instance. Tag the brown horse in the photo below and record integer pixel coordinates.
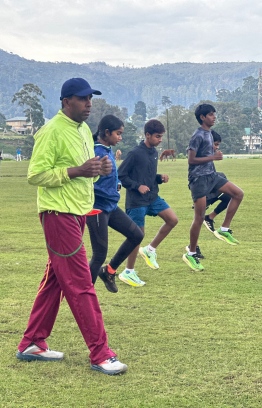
(118, 154)
(168, 153)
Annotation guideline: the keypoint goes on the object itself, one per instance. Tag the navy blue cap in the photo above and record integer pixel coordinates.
(77, 87)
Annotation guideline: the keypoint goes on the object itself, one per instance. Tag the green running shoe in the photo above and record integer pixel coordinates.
(193, 262)
(149, 257)
(131, 278)
(226, 236)
(198, 252)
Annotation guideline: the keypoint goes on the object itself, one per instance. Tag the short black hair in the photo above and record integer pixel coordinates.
(203, 109)
(154, 126)
(216, 136)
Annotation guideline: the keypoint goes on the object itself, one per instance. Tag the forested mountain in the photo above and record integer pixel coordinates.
(184, 83)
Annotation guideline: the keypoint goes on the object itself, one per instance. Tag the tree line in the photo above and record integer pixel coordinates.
(236, 110)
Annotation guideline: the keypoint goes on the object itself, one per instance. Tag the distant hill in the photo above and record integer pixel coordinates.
(184, 83)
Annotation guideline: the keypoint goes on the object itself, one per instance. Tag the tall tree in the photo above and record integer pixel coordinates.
(140, 109)
(130, 139)
(100, 108)
(250, 92)
(237, 118)
(28, 97)
(255, 121)
(228, 112)
(166, 102)
(152, 112)
(182, 124)
(231, 138)
(2, 121)
(138, 122)
(124, 112)
(246, 96)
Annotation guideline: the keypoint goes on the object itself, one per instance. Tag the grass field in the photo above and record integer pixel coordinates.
(190, 339)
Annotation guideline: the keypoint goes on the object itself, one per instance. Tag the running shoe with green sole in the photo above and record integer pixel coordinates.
(226, 236)
(131, 278)
(149, 257)
(193, 262)
(198, 252)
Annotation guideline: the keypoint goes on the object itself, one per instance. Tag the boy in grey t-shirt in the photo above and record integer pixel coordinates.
(203, 178)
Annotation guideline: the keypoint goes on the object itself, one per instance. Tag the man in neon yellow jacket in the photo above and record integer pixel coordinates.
(64, 168)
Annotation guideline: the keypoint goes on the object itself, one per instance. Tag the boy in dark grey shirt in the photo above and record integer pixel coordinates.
(203, 178)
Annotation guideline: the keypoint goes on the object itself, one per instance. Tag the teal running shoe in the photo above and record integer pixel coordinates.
(149, 257)
(131, 278)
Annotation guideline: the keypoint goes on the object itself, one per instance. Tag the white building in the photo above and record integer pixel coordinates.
(20, 125)
(252, 142)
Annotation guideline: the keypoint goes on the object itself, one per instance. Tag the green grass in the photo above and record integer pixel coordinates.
(190, 339)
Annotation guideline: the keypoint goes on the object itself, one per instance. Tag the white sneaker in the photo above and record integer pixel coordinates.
(34, 352)
(110, 366)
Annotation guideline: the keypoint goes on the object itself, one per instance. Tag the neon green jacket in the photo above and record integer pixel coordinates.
(60, 144)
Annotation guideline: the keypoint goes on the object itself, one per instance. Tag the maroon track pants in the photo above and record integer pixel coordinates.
(67, 274)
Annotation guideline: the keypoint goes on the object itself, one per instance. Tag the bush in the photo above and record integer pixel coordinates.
(181, 156)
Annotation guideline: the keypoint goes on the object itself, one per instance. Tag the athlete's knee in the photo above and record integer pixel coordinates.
(238, 194)
(172, 221)
(241, 194)
(138, 236)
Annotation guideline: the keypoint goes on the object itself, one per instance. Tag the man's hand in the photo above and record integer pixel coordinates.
(106, 166)
(91, 168)
(164, 178)
(143, 189)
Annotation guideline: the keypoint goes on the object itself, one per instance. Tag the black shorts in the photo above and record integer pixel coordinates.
(203, 185)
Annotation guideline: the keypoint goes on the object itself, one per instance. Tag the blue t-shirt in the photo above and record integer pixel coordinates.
(203, 144)
(106, 194)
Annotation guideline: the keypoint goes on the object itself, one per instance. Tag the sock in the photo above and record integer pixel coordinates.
(150, 248)
(224, 229)
(110, 269)
(191, 253)
(129, 270)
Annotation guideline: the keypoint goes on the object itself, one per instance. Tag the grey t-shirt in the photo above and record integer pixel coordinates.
(202, 143)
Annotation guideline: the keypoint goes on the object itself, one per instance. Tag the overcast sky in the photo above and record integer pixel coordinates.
(132, 32)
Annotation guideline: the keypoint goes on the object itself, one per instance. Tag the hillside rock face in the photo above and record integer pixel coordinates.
(184, 83)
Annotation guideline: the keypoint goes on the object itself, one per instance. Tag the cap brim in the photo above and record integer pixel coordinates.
(88, 91)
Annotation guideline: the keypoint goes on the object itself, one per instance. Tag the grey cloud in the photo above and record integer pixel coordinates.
(132, 31)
